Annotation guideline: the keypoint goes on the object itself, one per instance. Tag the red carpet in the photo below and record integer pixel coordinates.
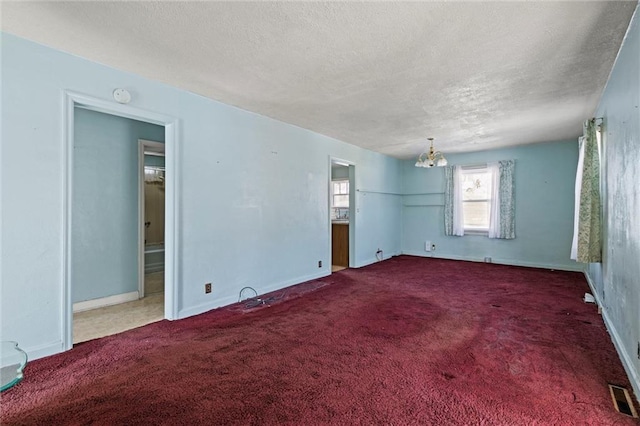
(405, 341)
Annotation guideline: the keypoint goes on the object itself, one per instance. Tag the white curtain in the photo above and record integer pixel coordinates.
(458, 218)
(494, 216)
(578, 189)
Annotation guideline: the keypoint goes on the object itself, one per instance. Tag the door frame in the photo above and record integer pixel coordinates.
(144, 146)
(72, 100)
(352, 208)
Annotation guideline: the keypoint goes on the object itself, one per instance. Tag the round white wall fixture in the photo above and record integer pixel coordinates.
(122, 96)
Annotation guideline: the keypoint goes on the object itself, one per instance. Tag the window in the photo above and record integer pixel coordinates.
(480, 200)
(475, 184)
(340, 193)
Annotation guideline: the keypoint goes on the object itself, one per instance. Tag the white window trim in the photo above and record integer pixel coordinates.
(473, 230)
(333, 194)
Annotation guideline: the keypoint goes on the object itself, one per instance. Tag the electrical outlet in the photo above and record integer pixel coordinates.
(207, 288)
(319, 263)
(427, 246)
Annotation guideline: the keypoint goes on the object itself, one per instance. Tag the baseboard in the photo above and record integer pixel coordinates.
(225, 301)
(627, 361)
(372, 260)
(206, 307)
(105, 301)
(592, 287)
(510, 262)
(41, 351)
(420, 253)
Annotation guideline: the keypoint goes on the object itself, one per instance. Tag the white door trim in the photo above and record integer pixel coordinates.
(172, 171)
(143, 147)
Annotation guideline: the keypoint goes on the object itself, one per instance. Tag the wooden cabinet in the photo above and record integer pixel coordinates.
(340, 244)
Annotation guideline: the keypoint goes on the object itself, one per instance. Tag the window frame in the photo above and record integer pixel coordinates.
(482, 168)
(333, 193)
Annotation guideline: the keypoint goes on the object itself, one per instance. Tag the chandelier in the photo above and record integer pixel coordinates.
(432, 158)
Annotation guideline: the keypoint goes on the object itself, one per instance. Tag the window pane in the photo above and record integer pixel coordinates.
(341, 201)
(341, 187)
(476, 185)
(476, 214)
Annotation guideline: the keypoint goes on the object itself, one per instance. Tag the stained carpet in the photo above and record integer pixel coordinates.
(401, 342)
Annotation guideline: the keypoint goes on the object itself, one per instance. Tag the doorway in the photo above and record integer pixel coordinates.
(151, 223)
(342, 214)
(78, 222)
(109, 274)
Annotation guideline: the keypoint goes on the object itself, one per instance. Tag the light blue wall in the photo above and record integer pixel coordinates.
(104, 238)
(253, 197)
(617, 279)
(545, 179)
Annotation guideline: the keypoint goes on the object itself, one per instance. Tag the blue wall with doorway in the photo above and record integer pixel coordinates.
(104, 236)
(252, 203)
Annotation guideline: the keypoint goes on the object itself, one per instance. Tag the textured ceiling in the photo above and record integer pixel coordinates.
(384, 76)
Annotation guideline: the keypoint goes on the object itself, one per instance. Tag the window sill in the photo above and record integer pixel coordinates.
(479, 232)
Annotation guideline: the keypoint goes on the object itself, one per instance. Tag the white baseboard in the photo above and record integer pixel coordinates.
(41, 351)
(205, 307)
(593, 288)
(420, 253)
(105, 301)
(626, 358)
(373, 260)
(558, 267)
(219, 303)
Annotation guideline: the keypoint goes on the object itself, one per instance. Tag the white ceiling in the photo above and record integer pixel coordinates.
(380, 75)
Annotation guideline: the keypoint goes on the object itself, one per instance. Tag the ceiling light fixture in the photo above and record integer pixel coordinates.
(433, 158)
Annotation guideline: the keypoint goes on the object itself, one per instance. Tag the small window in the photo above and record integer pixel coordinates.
(476, 198)
(340, 193)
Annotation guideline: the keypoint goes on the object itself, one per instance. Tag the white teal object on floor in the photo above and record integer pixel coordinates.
(12, 363)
